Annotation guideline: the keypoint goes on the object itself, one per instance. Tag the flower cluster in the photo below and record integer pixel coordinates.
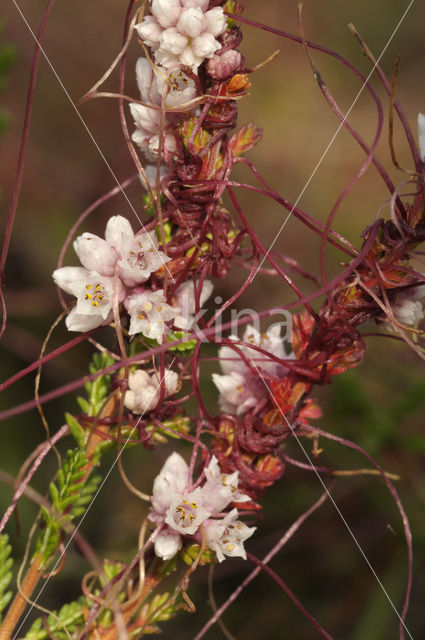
(119, 268)
(182, 32)
(241, 386)
(144, 391)
(185, 512)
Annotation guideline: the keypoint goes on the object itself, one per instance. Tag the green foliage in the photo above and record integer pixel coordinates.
(111, 570)
(201, 138)
(69, 497)
(190, 553)
(186, 347)
(157, 610)
(5, 571)
(161, 608)
(168, 228)
(60, 624)
(232, 6)
(97, 390)
(379, 422)
(180, 424)
(76, 430)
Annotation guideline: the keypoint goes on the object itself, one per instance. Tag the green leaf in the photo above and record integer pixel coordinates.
(71, 491)
(62, 624)
(180, 425)
(54, 496)
(168, 228)
(76, 429)
(84, 405)
(186, 346)
(111, 570)
(98, 389)
(5, 571)
(201, 138)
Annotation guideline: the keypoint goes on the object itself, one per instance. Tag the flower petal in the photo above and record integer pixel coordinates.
(167, 544)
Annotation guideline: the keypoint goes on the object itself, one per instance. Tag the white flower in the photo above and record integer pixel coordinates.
(175, 88)
(240, 386)
(182, 32)
(184, 300)
(220, 488)
(407, 306)
(226, 536)
(238, 392)
(95, 254)
(138, 255)
(181, 512)
(144, 391)
(186, 512)
(94, 294)
(421, 135)
(148, 312)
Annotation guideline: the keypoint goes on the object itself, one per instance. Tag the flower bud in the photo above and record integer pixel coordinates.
(220, 67)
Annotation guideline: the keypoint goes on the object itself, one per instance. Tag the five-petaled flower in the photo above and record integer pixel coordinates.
(149, 312)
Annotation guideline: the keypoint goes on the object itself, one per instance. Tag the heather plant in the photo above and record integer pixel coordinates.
(142, 296)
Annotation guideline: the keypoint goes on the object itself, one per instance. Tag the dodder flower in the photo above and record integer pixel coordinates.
(144, 390)
(175, 88)
(137, 256)
(407, 306)
(182, 32)
(94, 294)
(148, 312)
(241, 387)
(184, 299)
(182, 512)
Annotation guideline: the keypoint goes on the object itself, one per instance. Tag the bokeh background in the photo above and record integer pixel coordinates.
(380, 405)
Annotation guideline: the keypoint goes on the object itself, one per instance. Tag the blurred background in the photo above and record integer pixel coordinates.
(380, 405)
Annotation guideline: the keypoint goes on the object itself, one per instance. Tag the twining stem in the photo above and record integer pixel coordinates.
(21, 599)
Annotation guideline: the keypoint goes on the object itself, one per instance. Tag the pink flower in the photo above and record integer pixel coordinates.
(222, 66)
(138, 255)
